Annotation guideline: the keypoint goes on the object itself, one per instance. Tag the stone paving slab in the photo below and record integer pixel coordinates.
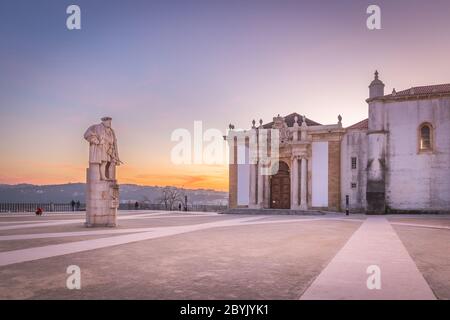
(430, 249)
(148, 222)
(17, 256)
(167, 255)
(374, 243)
(13, 245)
(240, 261)
(436, 222)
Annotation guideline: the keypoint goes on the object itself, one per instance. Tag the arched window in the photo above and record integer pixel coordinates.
(426, 137)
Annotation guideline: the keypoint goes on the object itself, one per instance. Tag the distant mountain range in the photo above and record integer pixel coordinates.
(64, 193)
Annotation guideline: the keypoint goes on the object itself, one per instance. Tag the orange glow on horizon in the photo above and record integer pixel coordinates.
(189, 177)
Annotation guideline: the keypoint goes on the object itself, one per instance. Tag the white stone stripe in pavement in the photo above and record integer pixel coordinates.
(83, 213)
(72, 234)
(39, 225)
(30, 254)
(47, 223)
(19, 222)
(374, 243)
(129, 230)
(420, 225)
(347, 219)
(135, 216)
(282, 221)
(51, 223)
(434, 226)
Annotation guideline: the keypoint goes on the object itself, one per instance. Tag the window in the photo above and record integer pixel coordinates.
(353, 185)
(425, 137)
(353, 162)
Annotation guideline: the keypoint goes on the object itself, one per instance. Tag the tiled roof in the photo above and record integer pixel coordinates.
(290, 121)
(362, 125)
(414, 91)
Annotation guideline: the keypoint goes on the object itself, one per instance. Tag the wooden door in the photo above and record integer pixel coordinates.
(280, 188)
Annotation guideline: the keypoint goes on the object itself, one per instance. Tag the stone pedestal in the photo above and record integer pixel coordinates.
(102, 199)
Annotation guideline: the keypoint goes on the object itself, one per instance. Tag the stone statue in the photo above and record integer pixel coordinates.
(102, 190)
(103, 148)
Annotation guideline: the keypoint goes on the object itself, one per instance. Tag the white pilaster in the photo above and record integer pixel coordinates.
(252, 186)
(253, 160)
(304, 182)
(260, 186)
(294, 183)
(266, 192)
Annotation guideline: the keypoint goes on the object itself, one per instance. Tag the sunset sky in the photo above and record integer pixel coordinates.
(155, 66)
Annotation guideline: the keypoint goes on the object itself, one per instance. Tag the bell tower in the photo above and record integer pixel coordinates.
(376, 159)
(376, 88)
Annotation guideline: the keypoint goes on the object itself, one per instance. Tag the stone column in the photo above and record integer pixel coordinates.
(253, 160)
(266, 203)
(304, 183)
(260, 187)
(294, 183)
(252, 187)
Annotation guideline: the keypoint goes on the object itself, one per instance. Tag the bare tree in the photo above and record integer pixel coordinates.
(183, 196)
(169, 196)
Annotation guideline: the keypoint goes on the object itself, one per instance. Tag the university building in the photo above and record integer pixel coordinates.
(396, 160)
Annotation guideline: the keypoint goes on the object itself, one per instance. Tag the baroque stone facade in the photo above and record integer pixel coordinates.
(397, 160)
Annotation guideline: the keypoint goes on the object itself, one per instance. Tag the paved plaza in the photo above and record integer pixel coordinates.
(177, 255)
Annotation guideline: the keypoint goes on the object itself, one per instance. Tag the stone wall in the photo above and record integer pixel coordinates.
(354, 144)
(334, 175)
(417, 181)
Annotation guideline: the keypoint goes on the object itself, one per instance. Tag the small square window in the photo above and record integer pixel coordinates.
(353, 162)
(353, 185)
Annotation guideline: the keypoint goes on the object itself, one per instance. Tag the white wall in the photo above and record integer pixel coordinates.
(417, 181)
(319, 178)
(354, 144)
(243, 176)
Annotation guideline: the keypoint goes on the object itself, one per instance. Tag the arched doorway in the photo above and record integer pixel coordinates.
(280, 188)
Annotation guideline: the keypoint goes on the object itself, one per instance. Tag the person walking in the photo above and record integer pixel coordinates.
(72, 204)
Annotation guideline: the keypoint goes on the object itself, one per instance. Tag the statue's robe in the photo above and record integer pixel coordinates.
(106, 148)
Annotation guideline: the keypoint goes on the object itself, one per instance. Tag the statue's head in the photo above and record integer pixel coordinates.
(107, 121)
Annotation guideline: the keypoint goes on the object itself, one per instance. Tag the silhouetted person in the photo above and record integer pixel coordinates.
(39, 211)
(179, 206)
(72, 204)
(136, 205)
(78, 205)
